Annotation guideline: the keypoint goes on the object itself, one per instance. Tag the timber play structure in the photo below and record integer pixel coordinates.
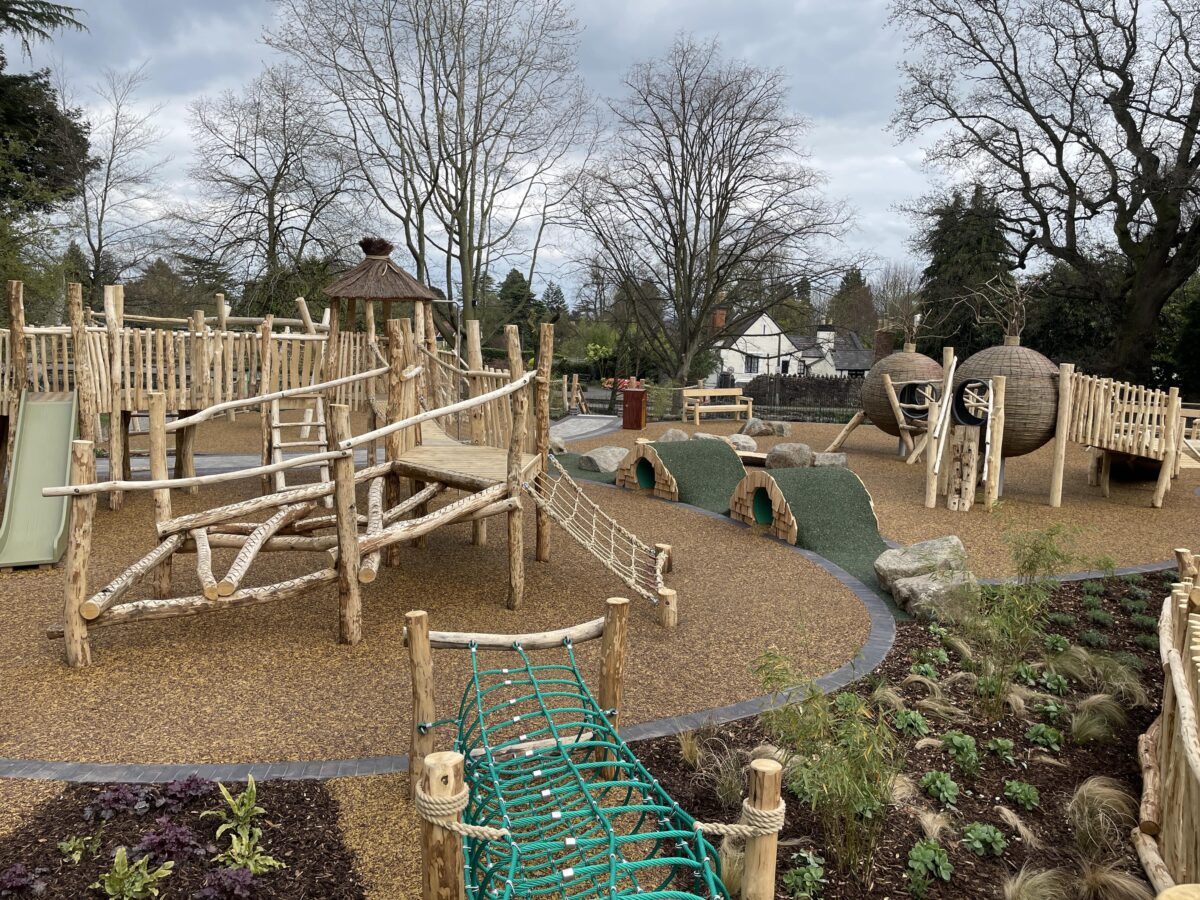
(442, 425)
(540, 796)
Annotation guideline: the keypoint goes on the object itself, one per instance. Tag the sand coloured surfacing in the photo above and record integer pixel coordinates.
(705, 471)
(1123, 526)
(380, 826)
(271, 682)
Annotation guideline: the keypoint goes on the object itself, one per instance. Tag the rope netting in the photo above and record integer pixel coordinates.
(622, 552)
(572, 811)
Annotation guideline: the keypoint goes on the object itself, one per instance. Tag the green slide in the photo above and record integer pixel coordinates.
(35, 527)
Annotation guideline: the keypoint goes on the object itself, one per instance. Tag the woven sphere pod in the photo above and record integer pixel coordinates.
(903, 365)
(1030, 393)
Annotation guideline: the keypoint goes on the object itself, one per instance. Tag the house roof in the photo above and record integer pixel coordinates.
(853, 360)
(848, 350)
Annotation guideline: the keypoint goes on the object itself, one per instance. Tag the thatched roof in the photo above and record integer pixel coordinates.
(377, 278)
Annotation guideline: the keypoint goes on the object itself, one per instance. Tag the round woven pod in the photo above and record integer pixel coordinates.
(1030, 393)
(903, 365)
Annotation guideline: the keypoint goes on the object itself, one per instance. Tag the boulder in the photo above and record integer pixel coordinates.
(781, 429)
(603, 459)
(789, 456)
(927, 596)
(673, 434)
(757, 428)
(829, 459)
(557, 445)
(743, 442)
(705, 436)
(944, 554)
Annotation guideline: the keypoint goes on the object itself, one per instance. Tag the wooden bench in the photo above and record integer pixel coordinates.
(699, 401)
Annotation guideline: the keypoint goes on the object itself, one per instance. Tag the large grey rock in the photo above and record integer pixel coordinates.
(743, 442)
(936, 595)
(603, 459)
(705, 436)
(944, 554)
(829, 459)
(781, 429)
(757, 428)
(673, 434)
(557, 445)
(789, 456)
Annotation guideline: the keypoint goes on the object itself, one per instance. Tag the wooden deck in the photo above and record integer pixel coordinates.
(441, 458)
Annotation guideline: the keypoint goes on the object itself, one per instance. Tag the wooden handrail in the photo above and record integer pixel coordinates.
(538, 640)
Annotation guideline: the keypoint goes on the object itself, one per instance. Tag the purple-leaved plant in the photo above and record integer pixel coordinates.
(19, 881)
(226, 884)
(171, 840)
(118, 798)
(186, 791)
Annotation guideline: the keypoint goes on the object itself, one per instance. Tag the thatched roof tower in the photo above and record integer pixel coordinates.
(378, 278)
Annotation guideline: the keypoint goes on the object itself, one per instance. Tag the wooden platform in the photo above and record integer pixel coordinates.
(1189, 457)
(441, 458)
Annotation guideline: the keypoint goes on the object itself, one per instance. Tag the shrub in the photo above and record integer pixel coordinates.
(806, 876)
(722, 771)
(1094, 639)
(1145, 623)
(984, 840)
(1135, 580)
(1092, 588)
(133, 798)
(1091, 603)
(171, 841)
(910, 723)
(1061, 619)
(1055, 683)
(927, 861)
(989, 687)
(19, 880)
(131, 882)
(1003, 748)
(1044, 736)
(940, 786)
(924, 669)
(962, 749)
(1023, 794)
(1101, 813)
(1101, 617)
(1149, 641)
(185, 791)
(1132, 605)
(1055, 643)
(227, 884)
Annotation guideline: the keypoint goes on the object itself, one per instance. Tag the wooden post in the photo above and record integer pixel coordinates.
(1066, 378)
(79, 553)
(442, 849)
(369, 320)
(667, 551)
(158, 472)
(222, 315)
(305, 316)
(516, 443)
(901, 422)
(116, 448)
(931, 458)
(1105, 472)
(332, 339)
(85, 386)
(758, 877)
(995, 462)
(668, 608)
(185, 454)
(1171, 428)
(420, 658)
(349, 596)
(1185, 562)
(612, 666)
(542, 423)
(393, 444)
(18, 363)
(478, 433)
(266, 377)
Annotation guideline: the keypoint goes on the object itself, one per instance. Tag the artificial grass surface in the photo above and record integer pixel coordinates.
(706, 471)
(570, 463)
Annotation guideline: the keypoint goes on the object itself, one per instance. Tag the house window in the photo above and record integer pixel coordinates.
(751, 364)
(785, 365)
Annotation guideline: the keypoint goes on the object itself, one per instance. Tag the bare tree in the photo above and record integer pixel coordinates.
(702, 184)
(1081, 118)
(274, 184)
(118, 198)
(897, 292)
(460, 114)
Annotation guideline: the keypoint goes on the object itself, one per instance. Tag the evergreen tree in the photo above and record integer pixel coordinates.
(521, 307)
(966, 248)
(555, 303)
(852, 307)
(797, 315)
(1067, 321)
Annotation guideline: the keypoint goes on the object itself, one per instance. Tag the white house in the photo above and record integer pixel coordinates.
(764, 349)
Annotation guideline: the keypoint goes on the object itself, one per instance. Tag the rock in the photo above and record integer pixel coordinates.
(944, 554)
(743, 442)
(781, 429)
(673, 434)
(756, 428)
(603, 459)
(789, 456)
(829, 459)
(557, 445)
(705, 436)
(929, 596)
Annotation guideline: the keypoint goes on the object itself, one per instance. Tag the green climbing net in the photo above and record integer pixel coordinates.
(585, 818)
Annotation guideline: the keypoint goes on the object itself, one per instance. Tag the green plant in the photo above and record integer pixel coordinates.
(989, 687)
(723, 770)
(1061, 619)
(245, 853)
(1090, 603)
(1023, 794)
(1052, 711)
(1132, 605)
(1003, 748)
(76, 846)
(1092, 588)
(1025, 674)
(1149, 641)
(924, 669)
(131, 882)
(1108, 881)
(1146, 623)
(1033, 884)
(238, 811)
(983, 840)
(1094, 639)
(910, 723)
(940, 786)
(691, 748)
(1055, 683)
(962, 749)
(1055, 643)
(936, 656)
(927, 861)
(1044, 736)
(1101, 813)
(938, 631)
(1101, 617)
(806, 877)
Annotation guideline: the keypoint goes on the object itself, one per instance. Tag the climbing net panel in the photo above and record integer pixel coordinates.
(622, 552)
(584, 818)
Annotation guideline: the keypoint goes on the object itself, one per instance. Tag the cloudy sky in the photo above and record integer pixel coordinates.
(840, 57)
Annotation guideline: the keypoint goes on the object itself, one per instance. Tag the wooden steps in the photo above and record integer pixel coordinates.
(312, 435)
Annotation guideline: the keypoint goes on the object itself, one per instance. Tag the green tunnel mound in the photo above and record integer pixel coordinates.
(834, 516)
(706, 471)
(570, 463)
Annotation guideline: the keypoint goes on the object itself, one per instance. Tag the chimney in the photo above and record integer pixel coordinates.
(885, 343)
(825, 338)
(718, 319)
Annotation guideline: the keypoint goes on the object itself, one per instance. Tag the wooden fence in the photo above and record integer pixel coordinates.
(1122, 417)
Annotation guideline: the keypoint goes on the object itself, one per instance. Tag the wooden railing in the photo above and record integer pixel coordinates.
(1122, 417)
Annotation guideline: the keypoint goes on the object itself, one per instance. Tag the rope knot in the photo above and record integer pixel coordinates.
(754, 822)
(444, 812)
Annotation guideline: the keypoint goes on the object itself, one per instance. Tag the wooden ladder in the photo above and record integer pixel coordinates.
(306, 434)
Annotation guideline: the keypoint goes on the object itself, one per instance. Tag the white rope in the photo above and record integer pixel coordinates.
(753, 823)
(444, 812)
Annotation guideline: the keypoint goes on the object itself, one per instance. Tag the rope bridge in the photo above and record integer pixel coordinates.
(556, 803)
(630, 559)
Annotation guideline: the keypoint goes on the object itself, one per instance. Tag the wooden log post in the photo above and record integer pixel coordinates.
(1185, 562)
(349, 595)
(420, 658)
(931, 458)
(442, 849)
(995, 461)
(667, 552)
(478, 431)
(1170, 427)
(266, 378)
(332, 339)
(758, 877)
(18, 365)
(516, 443)
(79, 554)
(116, 370)
(158, 472)
(305, 316)
(393, 444)
(1062, 429)
(901, 422)
(85, 384)
(222, 312)
(612, 666)
(668, 608)
(545, 359)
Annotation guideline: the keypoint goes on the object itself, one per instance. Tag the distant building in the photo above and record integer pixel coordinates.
(762, 349)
